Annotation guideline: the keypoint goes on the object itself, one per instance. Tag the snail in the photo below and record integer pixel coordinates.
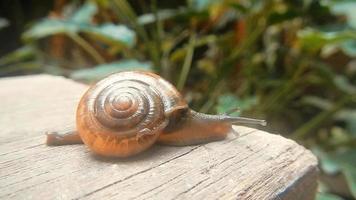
(127, 112)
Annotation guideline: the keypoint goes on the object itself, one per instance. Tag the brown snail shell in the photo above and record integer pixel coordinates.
(126, 113)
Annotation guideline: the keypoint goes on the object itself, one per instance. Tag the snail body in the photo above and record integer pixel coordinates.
(127, 112)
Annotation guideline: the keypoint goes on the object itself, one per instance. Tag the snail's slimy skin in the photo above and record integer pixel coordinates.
(126, 113)
(194, 128)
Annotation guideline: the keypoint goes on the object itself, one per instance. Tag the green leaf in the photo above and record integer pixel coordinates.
(101, 71)
(48, 27)
(339, 135)
(346, 8)
(344, 85)
(118, 34)
(3, 23)
(351, 125)
(239, 7)
(349, 48)
(113, 33)
(163, 14)
(21, 67)
(314, 40)
(346, 158)
(349, 117)
(230, 102)
(19, 55)
(350, 174)
(85, 13)
(200, 5)
(344, 161)
(327, 163)
(318, 102)
(327, 196)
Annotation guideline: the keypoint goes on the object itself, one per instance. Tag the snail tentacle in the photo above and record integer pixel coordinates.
(196, 128)
(229, 119)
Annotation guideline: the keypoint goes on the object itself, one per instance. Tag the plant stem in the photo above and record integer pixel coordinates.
(279, 96)
(187, 63)
(126, 12)
(87, 47)
(166, 70)
(210, 102)
(311, 125)
(158, 35)
(256, 25)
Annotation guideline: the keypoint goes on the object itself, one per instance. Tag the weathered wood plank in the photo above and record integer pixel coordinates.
(256, 165)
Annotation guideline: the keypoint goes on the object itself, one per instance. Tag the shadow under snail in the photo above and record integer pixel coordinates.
(127, 112)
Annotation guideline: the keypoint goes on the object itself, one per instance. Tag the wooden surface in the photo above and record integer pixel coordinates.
(256, 165)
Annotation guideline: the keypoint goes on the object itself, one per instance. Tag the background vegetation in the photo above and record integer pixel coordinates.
(290, 62)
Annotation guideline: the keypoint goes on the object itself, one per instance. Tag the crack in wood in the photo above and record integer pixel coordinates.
(271, 174)
(152, 189)
(137, 173)
(191, 188)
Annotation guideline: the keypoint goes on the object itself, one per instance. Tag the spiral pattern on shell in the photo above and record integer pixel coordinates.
(127, 108)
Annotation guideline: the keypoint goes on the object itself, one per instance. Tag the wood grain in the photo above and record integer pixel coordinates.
(255, 165)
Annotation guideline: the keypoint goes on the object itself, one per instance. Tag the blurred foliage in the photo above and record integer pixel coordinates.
(290, 62)
(101, 71)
